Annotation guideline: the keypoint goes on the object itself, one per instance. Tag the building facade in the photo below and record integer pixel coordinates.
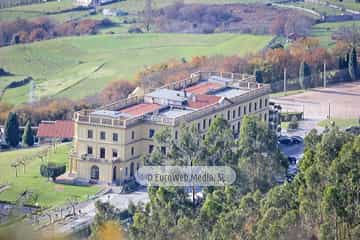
(109, 142)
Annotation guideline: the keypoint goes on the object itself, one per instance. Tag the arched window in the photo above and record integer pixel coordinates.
(94, 174)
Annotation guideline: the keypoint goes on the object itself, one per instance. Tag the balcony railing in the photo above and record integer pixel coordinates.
(242, 81)
(91, 158)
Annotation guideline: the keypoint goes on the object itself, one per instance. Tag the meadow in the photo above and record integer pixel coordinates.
(317, 8)
(324, 31)
(76, 67)
(349, 4)
(49, 193)
(52, 9)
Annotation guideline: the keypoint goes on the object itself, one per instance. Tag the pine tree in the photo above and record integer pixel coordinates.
(353, 67)
(28, 136)
(258, 76)
(304, 75)
(12, 131)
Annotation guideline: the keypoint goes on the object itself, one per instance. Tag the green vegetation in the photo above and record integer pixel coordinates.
(339, 122)
(349, 4)
(50, 194)
(320, 202)
(353, 65)
(317, 8)
(12, 130)
(324, 31)
(28, 136)
(50, 9)
(304, 75)
(80, 66)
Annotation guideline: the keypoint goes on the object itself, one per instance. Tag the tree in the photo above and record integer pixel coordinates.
(258, 76)
(259, 156)
(353, 65)
(12, 131)
(304, 75)
(28, 136)
(148, 15)
(52, 170)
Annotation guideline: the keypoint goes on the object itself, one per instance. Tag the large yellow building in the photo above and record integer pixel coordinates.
(109, 142)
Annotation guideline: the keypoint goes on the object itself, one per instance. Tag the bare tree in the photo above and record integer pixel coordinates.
(15, 165)
(350, 35)
(148, 15)
(73, 201)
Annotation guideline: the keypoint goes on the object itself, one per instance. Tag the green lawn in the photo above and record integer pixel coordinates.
(317, 8)
(80, 66)
(340, 122)
(349, 4)
(50, 194)
(131, 6)
(324, 31)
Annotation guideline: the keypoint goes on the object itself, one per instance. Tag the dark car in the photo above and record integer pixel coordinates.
(297, 139)
(285, 140)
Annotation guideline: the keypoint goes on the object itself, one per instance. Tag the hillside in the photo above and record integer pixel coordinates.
(76, 67)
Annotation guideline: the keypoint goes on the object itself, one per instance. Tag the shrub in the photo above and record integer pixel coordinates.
(52, 170)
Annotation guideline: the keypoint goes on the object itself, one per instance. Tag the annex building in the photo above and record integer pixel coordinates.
(109, 142)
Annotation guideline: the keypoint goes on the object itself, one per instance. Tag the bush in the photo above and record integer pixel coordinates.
(135, 30)
(52, 170)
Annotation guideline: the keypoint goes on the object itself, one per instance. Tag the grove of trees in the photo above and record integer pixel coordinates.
(322, 202)
(42, 28)
(241, 18)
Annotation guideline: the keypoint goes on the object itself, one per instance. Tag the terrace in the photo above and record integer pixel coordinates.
(186, 100)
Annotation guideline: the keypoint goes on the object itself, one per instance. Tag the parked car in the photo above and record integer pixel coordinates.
(285, 140)
(297, 139)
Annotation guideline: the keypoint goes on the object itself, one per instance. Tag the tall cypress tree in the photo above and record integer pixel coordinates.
(12, 131)
(353, 66)
(28, 136)
(258, 76)
(304, 75)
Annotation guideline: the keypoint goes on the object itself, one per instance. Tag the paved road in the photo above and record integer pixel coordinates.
(88, 210)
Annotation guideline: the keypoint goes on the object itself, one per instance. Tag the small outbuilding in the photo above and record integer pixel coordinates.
(60, 130)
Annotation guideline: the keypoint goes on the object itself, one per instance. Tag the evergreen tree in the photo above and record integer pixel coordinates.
(28, 136)
(258, 76)
(304, 75)
(353, 66)
(12, 131)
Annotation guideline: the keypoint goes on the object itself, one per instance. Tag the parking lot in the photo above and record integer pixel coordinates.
(338, 101)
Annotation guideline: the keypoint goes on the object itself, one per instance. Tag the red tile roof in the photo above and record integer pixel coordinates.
(202, 101)
(140, 109)
(57, 129)
(203, 88)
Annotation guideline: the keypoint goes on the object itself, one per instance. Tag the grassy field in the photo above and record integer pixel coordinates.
(317, 8)
(324, 31)
(51, 9)
(80, 66)
(349, 4)
(340, 122)
(50, 194)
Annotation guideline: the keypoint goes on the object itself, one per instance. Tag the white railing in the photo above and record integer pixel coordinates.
(242, 81)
